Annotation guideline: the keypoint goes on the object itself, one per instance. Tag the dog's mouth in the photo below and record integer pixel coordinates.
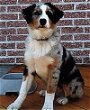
(42, 27)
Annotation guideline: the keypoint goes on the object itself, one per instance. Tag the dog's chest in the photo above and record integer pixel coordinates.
(41, 49)
(38, 48)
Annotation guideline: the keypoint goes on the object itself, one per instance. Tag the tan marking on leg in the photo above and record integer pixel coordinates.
(66, 90)
(52, 84)
(53, 76)
(30, 65)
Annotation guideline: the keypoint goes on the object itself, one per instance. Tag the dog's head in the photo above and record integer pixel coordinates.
(42, 19)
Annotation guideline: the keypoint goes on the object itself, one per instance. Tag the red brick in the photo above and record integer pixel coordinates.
(20, 45)
(74, 0)
(81, 53)
(72, 30)
(66, 37)
(15, 53)
(74, 14)
(8, 31)
(2, 24)
(2, 53)
(21, 17)
(82, 37)
(87, 29)
(7, 60)
(22, 31)
(20, 60)
(72, 45)
(9, 16)
(2, 8)
(7, 45)
(8, 2)
(2, 38)
(14, 29)
(24, 6)
(83, 6)
(66, 6)
(65, 22)
(16, 24)
(14, 8)
(82, 22)
(88, 14)
(86, 60)
(16, 37)
(51, 0)
(27, 1)
(87, 44)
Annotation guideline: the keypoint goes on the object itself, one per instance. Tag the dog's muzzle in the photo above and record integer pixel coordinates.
(42, 22)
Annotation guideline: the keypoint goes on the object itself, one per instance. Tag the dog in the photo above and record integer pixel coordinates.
(47, 58)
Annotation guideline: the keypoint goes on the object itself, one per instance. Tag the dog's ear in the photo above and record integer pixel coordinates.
(27, 13)
(56, 13)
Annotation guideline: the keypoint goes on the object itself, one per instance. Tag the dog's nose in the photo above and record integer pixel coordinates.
(43, 21)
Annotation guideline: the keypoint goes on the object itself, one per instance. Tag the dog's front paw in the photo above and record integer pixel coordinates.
(47, 106)
(13, 106)
(62, 101)
(47, 109)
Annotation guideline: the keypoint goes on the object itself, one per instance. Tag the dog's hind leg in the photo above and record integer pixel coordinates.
(25, 86)
(62, 100)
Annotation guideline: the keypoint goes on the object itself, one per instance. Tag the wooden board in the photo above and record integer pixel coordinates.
(35, 101)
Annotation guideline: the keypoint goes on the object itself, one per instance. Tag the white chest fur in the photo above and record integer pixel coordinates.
(41, 49)
(36, 49)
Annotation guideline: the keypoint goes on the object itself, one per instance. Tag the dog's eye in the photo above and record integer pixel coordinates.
(37, 12)
(49, 11)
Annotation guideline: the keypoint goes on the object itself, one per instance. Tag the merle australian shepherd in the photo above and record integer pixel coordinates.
(46, 57)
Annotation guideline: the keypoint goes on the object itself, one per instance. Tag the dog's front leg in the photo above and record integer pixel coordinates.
(26, 84)
(53, 78)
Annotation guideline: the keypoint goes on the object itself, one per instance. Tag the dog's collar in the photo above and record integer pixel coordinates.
(54, 35)
(42, 39)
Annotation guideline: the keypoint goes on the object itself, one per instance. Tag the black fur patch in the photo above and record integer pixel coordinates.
(66, 73)
(34, 73)
(64, 54)
(25, 73)
(27, 13)
(56, 15)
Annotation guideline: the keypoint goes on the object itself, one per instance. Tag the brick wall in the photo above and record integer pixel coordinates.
(74, 29)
